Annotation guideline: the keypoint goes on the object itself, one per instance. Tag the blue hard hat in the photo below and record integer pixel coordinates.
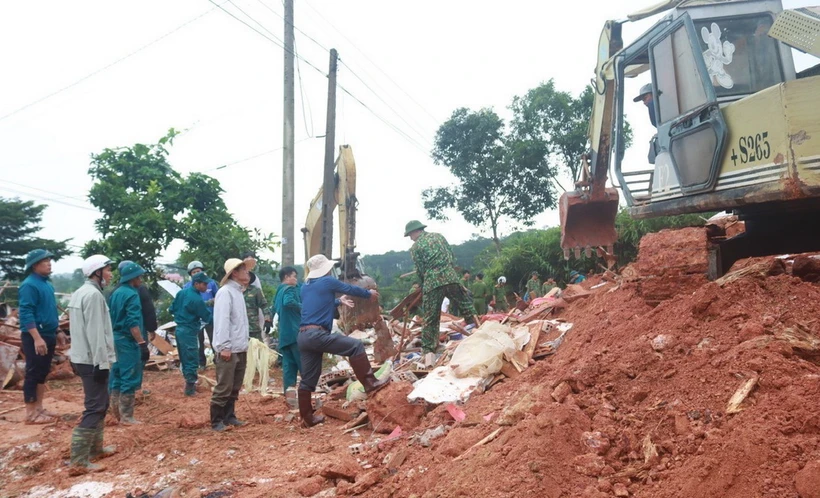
(573, 273)
(130, 271)
(201, 278)
(123, 263)
(35, 256)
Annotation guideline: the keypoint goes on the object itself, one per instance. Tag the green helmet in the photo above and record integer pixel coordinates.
(412, 226)
(201, 277)
(130, 272)
(35, 256)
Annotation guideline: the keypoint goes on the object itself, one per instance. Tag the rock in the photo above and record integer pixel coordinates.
(389, 408)
(807, 481)
(561, 392)
(662, 342)
(620, 490)
(807, 268)
(750, 330)
(346, 469)
(590, 464)
(595, 441)
(366, 481)
(682, 426)
(310, 487)
(189, 421)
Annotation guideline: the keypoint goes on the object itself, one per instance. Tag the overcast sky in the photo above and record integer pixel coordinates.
(222, 82)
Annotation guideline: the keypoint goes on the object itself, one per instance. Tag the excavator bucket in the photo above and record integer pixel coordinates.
(587, 222)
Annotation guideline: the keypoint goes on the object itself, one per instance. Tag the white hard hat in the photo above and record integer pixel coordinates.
(193, 265)
(502, 280)
(94, 263)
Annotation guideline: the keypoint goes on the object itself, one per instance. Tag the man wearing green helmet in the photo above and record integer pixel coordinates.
(132, 348)
(435, 267)
(39, 333)
(190, 312)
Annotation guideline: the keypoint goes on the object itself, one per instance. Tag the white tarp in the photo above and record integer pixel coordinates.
(169, 287)
(442, 386)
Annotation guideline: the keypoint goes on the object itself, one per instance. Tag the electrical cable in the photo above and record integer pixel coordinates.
(48, 199)
(75, 197)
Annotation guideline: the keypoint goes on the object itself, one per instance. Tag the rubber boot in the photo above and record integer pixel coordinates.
(364, 373)
(127, 409)
(306, 410)
(98, 451)
(81, 443)
(114, 404)
(230, 415)
(190, 389)
(217, 417)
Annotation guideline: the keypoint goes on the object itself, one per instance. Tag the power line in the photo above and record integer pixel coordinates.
(435, 120)
(294, 26)
(108, 66)
(48, 199)
(76, 197)
(233, 163)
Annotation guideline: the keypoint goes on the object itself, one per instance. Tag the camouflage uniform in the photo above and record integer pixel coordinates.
(500, 292)
(533, 288)
(546, 288)
(481, 295)
(255, 301)
(434, 262)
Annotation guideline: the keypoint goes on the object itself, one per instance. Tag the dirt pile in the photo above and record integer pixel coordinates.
(647, 413)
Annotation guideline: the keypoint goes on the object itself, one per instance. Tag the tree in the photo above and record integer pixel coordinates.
(19, 222)
(146, 205)
(559, 121)
(497, 176)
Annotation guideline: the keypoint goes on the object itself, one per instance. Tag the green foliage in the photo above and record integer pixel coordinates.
(497, 176)
(68, 282)
(19, 221)
(146, 205)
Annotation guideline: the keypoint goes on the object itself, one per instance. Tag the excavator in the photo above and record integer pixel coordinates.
(318, 236)
(738, 129)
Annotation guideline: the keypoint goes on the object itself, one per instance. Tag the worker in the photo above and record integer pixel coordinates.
(208, 296)
(92, 354)
(255, 303)
(435, 267)
(318, 303)
(287, 304)
(190, 313)
(645, 96)
(500, 292)
(533, 287)
(549, 284)
(129, 341)
(149, 317)
(230, 344)
(481, 294)
(575, 277)
(39, 333)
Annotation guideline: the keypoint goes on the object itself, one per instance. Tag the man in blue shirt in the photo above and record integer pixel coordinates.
(208, 296)
(318, 303)
(38, 323)
(189, 312)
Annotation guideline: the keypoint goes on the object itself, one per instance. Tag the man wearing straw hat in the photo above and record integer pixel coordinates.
(318, 303)
(230, 344)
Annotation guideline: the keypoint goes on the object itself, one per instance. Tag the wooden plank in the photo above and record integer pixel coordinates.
(356, 422)
(164, 346)
(411, 301)
(741, 394)
(338, 414)
(545, 307)
(509, 370)
(396, 461)
(480, 443)
(535, 334)
(8, 355)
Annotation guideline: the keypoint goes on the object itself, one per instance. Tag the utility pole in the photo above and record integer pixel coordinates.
(329, 184)
(288, 156)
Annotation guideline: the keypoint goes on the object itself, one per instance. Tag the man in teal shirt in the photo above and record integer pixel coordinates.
(190, 311)
(288, 305)
(129, 342)
(38, 324)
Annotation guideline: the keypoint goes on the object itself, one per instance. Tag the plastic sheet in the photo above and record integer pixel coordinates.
(481, 354)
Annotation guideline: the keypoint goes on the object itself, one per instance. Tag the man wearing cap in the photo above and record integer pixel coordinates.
(208, 296)
(129, 341)
(38, 323)
(259, 316)
(230, 344)
(288, 306)
(549, 284)
(190, 312)
(435, 267)
(500, 292)
(149, 316)
(645, 96)
(92, 354)
(533, 287)
(318, 304)
(575, 277)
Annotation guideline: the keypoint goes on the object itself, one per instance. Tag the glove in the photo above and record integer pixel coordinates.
(268, 326)
(145, 355)
(100, 376)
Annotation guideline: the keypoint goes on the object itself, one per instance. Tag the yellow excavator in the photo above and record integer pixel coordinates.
(738, 129)
(318, 236)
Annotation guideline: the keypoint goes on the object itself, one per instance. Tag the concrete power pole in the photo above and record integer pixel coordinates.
(329, 184)
(288, 156)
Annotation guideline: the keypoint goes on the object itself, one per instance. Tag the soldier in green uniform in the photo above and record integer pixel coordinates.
(500, 292)
(435, 262)
(190, 312)
(255, 301)
(533, 287)
(549, 284)
(481, 294)
(129, 342)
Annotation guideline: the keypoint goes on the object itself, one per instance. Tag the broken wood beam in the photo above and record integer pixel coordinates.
(741, 394)
(484, 441)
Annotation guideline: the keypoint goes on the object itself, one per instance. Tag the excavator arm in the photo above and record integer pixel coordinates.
(588, 213)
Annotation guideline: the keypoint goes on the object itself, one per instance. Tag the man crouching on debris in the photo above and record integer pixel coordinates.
(92, 354)
(318, 303)
(231, 338)
(435, 267)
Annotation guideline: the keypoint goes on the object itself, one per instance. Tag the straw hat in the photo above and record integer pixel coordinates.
(318, 266)
(230, 265)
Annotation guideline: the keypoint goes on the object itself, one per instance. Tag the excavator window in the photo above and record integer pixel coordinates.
(740, 56)
(677, 80)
